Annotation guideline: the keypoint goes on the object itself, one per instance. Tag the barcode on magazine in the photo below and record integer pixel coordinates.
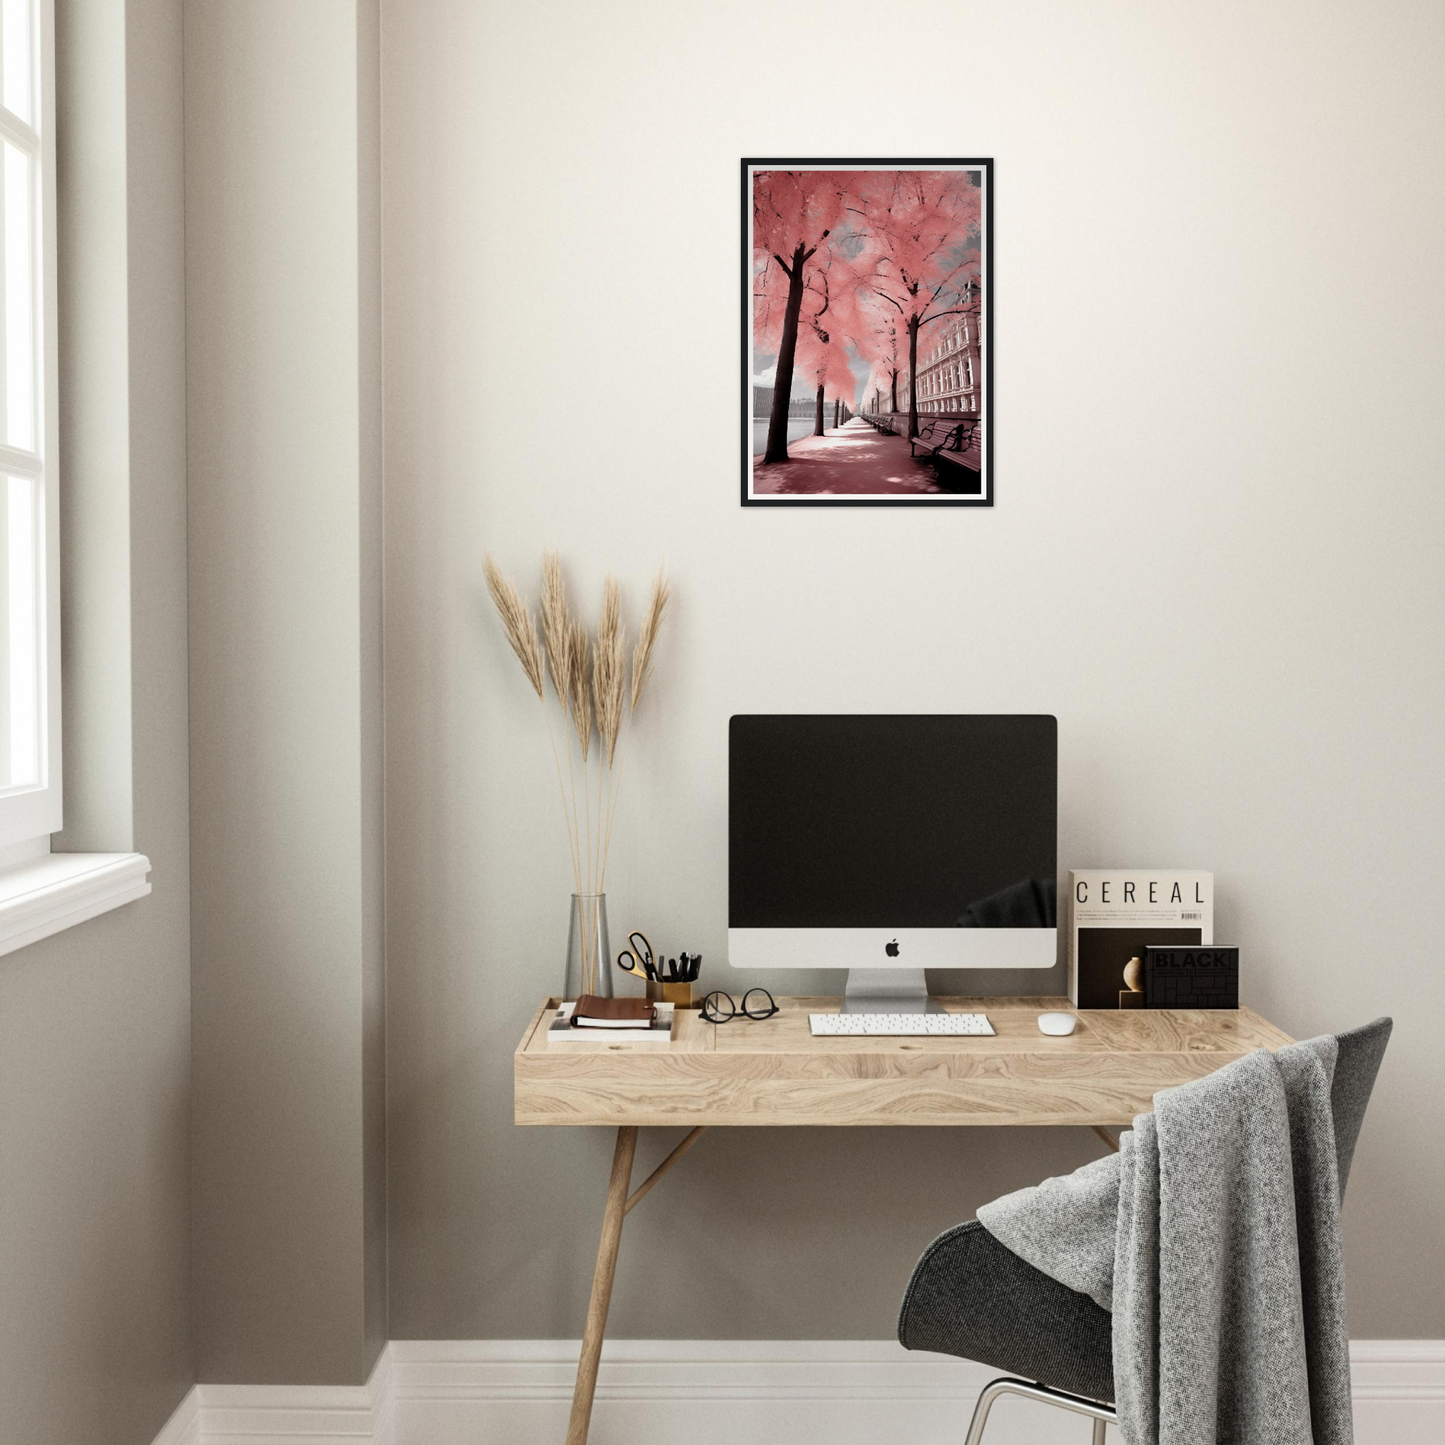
(1196, 916)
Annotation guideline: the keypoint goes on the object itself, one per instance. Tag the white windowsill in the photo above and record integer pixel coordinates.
(60, 890)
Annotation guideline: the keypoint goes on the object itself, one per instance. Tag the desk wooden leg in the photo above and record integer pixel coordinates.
(612, 1216)
(640, 1193)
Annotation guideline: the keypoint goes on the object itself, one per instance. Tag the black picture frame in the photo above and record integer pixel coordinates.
(985, 345)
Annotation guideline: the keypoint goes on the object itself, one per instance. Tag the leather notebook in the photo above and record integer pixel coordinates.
(593, 1012)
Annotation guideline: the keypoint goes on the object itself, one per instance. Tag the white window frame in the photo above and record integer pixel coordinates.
(30, 814)
(42, 892)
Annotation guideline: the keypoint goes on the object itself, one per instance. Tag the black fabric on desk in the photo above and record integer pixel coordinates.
(1029, 904)
(972, 1297)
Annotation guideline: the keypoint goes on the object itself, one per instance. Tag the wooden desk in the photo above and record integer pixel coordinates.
(772, 1072)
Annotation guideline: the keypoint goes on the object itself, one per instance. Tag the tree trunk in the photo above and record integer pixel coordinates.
(912, 377)
(836, 405)
(777, 448)
(892, 390)
(818, 413)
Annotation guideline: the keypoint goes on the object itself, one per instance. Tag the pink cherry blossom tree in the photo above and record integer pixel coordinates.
(822, 348)
(878, 341)
(872, 388)
(916, 258)
(794, 215)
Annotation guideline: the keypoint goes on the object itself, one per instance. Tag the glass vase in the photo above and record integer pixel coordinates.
(589, 952)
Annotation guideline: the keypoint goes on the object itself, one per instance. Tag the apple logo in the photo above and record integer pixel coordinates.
(891, 949)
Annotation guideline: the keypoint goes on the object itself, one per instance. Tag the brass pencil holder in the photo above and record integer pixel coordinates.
(679, 994)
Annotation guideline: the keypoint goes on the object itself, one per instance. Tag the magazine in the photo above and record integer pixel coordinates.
(1115, 912)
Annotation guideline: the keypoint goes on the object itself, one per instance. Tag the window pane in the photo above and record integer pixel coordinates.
(19, 355)
(20, 635)
(16, 40)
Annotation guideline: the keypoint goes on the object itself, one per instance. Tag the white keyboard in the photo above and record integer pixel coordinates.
(912, 1026)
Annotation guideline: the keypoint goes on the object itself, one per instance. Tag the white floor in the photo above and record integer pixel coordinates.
(715, 1392)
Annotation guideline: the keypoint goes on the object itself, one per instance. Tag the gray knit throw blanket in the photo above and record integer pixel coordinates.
(1214, 1237)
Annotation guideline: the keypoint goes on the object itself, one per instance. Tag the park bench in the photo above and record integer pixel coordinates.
(949, 444)
(944, 441)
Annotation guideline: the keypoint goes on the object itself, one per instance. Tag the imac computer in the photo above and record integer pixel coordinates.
(890, 844)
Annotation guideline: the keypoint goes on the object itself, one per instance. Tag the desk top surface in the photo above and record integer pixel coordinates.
(771, 1072)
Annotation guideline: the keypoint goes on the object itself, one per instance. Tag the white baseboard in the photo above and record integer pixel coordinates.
(288, 1414)
(714, 1392)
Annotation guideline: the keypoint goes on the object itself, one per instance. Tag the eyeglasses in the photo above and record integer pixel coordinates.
(719, 1008)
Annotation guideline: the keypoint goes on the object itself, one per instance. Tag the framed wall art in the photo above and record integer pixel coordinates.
(867, 332)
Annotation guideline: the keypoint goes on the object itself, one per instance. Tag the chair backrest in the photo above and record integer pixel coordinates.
(1359, 1061)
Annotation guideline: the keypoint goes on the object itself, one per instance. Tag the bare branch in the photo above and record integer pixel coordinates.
(957, 311)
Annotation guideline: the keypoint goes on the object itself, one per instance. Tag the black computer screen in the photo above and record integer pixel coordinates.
(916, 821)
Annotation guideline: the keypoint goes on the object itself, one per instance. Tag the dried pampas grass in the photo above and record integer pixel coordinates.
(556, 635)
(579, 685)
(647, 636)
(516, 622)
(608, 670)
(589, 681)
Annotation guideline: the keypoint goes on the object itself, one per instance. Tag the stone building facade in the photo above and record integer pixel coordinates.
(950, 371)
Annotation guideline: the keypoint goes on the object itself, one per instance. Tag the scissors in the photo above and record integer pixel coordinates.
(637, 958)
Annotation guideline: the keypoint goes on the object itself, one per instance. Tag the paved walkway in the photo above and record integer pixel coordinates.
(850, 460)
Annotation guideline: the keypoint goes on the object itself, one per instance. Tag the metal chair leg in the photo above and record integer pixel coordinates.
(1099, 1413)
(980, 1411)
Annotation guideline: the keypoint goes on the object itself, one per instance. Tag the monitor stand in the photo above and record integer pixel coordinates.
(887, 991)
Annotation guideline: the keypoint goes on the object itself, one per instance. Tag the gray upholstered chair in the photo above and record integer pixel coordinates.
(972, 1297)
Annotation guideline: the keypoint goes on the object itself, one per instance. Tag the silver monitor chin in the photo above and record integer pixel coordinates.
(885, 970)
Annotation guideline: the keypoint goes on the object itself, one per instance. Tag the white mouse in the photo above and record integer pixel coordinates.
(1057, 1023)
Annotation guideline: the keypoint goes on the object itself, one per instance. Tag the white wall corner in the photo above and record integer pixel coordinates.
(713, 1392)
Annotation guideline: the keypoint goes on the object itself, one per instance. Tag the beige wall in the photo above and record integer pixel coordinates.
(282, 320)
(95, 1344)
(1215, 556)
